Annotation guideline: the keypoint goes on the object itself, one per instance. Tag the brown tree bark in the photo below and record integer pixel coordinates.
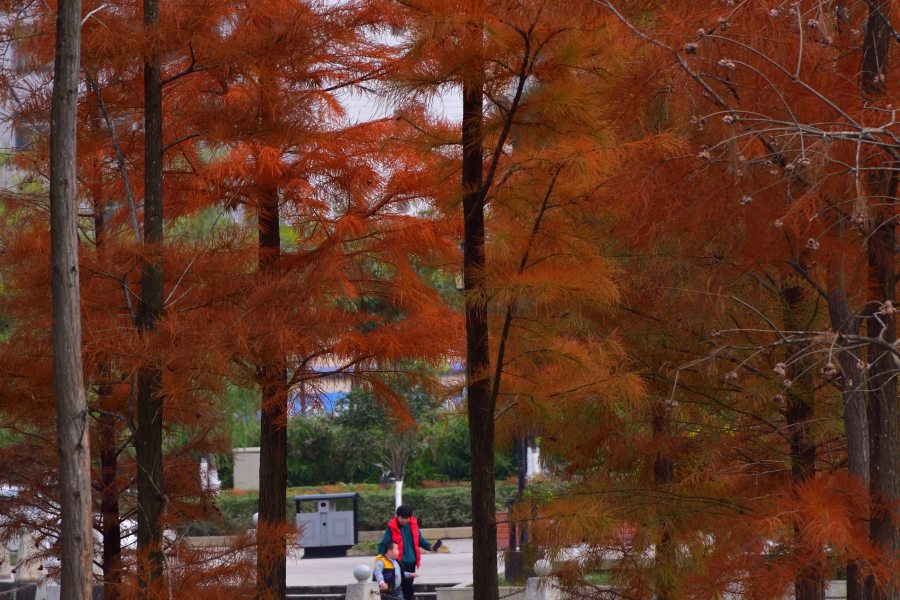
(883, 410)
(68, 378)
(876, 46)
(108, 427)
(109, 503)
(663, 475)
(148, 439)
(271, 578)
(883, 414)
(843, 322)
(852, 388)
(478, 394)
(809, 584)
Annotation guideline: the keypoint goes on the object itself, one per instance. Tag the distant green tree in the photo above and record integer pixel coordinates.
(447, 454)
(321, 453)
(382, 438)
(325, 449)
(240, 425)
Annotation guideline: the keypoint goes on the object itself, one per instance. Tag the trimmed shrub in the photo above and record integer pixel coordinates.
(236, 516)
(442, 507)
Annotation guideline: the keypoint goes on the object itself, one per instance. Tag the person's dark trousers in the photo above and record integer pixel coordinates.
(407, 582)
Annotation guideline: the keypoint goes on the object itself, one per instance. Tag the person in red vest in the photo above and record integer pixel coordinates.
(404, 529)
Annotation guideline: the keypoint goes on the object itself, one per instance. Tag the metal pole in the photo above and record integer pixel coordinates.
(522, 456)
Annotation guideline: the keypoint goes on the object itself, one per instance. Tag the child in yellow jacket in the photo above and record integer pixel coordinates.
(387, 571)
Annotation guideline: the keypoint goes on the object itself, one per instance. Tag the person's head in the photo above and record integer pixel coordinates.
(391, 550)
(404, 512)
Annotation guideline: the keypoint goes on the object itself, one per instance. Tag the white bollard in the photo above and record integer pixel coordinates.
(536, 589)
(542, 568)
(364, 588)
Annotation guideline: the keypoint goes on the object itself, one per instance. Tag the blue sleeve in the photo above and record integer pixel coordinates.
(384, 540)
(379, 567)
(423, 543)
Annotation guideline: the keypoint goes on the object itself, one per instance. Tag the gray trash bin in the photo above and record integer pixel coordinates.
(327, 532)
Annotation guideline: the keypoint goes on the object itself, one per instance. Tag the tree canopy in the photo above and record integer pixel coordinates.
(660, 237)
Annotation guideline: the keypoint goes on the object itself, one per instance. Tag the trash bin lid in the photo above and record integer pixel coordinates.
(327, 496)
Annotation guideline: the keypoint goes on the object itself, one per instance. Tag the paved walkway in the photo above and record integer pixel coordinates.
(454, 568)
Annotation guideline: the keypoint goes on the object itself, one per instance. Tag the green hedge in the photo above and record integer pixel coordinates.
(440, 507)
(236, 515)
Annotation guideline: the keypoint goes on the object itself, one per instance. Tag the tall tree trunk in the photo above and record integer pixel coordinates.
(109, 502)
(852, 388)
(884, 449)
(478, 364)
(271, 578)
(876, 46)
(68, 378)
(148, 440)
(843, 322)
(211, 477)
(809, 584)
(664, 475)
(108, 429)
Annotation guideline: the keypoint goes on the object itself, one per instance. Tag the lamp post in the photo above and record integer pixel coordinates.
(515, 571)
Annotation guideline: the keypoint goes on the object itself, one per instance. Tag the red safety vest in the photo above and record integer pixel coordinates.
(395, 534)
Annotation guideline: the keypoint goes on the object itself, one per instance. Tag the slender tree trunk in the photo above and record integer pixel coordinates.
(398, 492)
(480, 405)
(211, 482)
(68, 378)
(109, 503)
(271, 578)
(109, 430)
(809, 584)
(148, 440)
(884, 450)
(844, 323)
(853, 394)
(664, 475)
(876, 47)
(884, 453)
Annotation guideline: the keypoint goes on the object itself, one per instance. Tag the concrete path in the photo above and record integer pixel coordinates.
(463, 546)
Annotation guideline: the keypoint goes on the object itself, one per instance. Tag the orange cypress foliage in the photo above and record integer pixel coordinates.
(292, 162)
(764, 145)
(248, 116)
(534, 163)
(681, 493)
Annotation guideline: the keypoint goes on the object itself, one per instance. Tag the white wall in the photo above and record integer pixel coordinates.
(246, 468)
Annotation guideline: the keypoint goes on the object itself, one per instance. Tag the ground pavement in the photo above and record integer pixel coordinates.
(455, 567)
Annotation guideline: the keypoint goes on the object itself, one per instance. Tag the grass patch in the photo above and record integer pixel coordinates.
(364, 549)
(598, 578)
